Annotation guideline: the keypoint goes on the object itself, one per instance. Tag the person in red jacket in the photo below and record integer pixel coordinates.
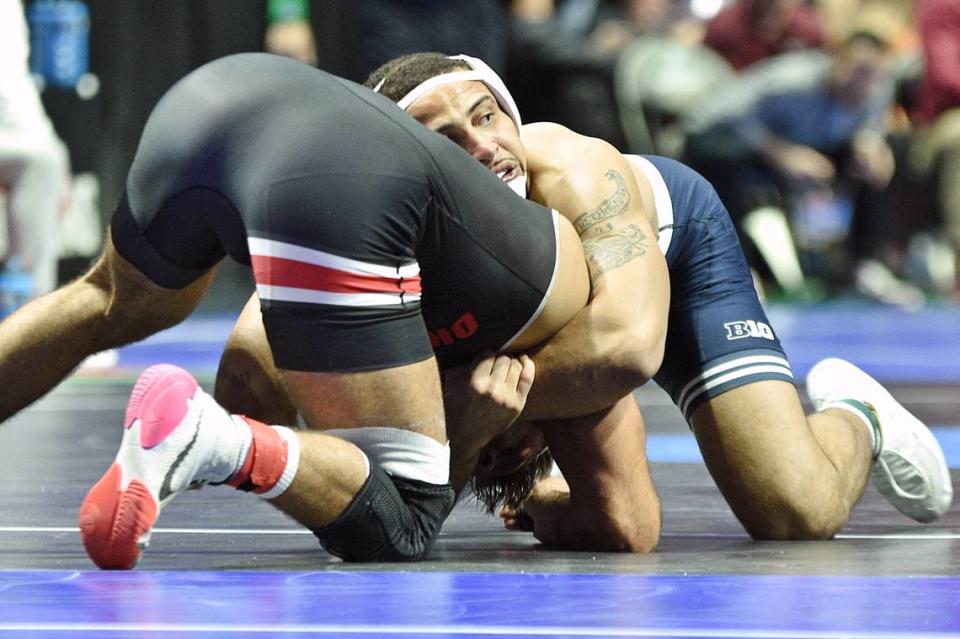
(751, 30)
(937, 109)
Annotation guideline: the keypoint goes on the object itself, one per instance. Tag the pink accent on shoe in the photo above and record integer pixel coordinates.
(158, 400)
(112, 522)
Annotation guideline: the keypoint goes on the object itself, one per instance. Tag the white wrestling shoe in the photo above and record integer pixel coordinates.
(909, 468)
(167, 447)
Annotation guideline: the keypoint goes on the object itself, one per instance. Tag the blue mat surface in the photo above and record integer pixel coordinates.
(443, 604)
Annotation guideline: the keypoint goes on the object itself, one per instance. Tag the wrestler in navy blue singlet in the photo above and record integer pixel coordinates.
(718, 336)
(361, 225)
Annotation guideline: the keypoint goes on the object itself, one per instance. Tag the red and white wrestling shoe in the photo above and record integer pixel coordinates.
(175, 437)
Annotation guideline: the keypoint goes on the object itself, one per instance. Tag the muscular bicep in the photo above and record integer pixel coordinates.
(614, 247)
(616, 343)
(596, 190)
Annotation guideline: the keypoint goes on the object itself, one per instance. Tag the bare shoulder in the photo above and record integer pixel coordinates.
(551, 144)
(568, 171)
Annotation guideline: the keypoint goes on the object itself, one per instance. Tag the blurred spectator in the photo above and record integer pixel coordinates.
(387, 29)
(889, 19)
(564, 54)
(936, 152)
(803, 134)
(560, 67)
(289, 32)
(748, 31)
(657, 81)
(34, 167)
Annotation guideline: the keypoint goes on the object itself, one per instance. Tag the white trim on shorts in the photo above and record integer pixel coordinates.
(553, 281)
(661, 200)
(769, 366)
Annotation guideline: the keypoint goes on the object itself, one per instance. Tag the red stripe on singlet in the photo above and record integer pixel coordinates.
(278, 271)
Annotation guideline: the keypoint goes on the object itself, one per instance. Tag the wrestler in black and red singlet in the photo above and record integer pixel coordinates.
(360, 224)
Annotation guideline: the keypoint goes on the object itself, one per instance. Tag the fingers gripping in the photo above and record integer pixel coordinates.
(504, 380)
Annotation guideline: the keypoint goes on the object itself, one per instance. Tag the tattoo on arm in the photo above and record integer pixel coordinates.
(607, 251)
(613, 206)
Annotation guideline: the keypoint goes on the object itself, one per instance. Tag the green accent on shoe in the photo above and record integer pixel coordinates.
(871, 414)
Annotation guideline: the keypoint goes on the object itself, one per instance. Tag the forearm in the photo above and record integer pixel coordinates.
(587, 367)
(607, 500)
(480, 402)
(613, 345)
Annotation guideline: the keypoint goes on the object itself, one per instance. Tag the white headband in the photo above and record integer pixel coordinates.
(479, 71)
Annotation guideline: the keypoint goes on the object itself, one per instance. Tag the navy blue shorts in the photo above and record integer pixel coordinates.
(718, 336)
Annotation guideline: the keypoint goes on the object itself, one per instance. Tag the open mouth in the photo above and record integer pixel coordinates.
(507, 171)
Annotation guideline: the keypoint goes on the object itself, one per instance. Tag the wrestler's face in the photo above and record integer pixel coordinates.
(469, 115)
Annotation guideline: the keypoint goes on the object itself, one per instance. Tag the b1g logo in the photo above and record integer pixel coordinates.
(748, 328)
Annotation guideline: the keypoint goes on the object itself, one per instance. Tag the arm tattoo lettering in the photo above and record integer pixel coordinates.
(615, 248)
(613, 206)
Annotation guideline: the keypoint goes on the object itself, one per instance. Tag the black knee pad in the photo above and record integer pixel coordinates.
(390, 519)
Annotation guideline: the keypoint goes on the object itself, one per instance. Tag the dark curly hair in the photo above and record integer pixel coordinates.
(402, 75)
(513, 489)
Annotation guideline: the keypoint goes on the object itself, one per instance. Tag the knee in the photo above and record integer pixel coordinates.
(791, 520)
(389, 519)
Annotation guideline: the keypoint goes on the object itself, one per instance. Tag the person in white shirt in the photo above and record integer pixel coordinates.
(34, 166)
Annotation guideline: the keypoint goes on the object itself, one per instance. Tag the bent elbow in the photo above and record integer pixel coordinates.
(641, 358)
(640, 542)
(638, 538)
(636, 531)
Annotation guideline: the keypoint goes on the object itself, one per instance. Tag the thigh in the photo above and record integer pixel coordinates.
(133, 304)
(247, 379)
(765, 459)
(752, 437)
(718, 335)
(406, 397)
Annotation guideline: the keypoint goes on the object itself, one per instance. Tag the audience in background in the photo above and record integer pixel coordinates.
(826, 182)
(289, 32)
(748, 31)
(560, 63)
(804, 133)
(936, 148)
(564, 54)
(34, 165)
(386, 29)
